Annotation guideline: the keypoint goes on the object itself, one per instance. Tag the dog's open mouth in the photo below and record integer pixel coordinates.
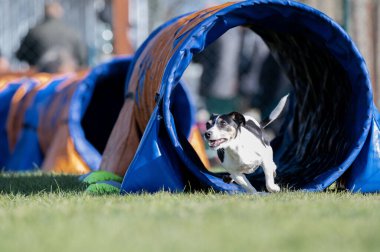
(217, 142)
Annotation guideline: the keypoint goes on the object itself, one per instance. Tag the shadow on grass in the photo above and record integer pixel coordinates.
(37, 182)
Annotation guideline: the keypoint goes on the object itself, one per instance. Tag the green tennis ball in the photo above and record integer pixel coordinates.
(102, 188)
(97, 176)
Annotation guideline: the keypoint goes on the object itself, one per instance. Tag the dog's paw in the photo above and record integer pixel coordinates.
(273, 188)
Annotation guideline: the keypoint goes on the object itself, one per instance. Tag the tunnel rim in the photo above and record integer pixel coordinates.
(171, 77)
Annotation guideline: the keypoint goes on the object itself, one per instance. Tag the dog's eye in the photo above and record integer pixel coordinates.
(223, 123)
(208, 125)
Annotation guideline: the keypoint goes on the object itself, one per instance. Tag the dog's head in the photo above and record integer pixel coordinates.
(221, 129)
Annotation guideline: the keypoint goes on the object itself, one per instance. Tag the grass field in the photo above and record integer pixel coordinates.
(53, 213)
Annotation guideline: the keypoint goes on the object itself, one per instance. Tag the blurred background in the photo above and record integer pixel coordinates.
(78, 34)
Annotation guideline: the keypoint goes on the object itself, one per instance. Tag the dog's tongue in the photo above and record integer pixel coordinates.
(215, 143)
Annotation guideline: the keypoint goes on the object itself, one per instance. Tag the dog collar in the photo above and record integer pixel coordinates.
(221, 154)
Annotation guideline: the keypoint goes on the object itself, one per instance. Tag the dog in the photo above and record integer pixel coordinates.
(242, 146)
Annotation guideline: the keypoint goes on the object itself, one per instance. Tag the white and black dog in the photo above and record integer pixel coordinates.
(242, 147)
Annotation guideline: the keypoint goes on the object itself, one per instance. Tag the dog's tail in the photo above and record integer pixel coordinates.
(275, 112)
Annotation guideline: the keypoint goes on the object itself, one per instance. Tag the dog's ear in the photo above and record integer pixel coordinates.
(213, 115)
(238, 118)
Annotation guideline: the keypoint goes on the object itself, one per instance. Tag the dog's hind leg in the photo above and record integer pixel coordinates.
(269, 168)
(243, 181)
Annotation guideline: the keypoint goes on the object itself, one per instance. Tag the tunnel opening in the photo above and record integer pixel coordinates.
(105, 104)
(314, 125)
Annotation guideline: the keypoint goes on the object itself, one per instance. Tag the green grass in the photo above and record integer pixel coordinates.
(52, 213)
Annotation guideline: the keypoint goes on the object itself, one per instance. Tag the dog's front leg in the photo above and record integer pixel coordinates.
(243, 181)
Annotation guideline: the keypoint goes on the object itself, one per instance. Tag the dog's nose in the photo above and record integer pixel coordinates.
(207, 135)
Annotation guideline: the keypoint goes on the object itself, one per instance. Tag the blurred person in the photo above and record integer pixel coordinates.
(53, 41)
(219, 84)
(263, 81)
(57, 60)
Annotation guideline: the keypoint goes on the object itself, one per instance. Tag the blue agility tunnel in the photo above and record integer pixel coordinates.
(331, 129)
(22, 122)
(8, 87)
(60, 123)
